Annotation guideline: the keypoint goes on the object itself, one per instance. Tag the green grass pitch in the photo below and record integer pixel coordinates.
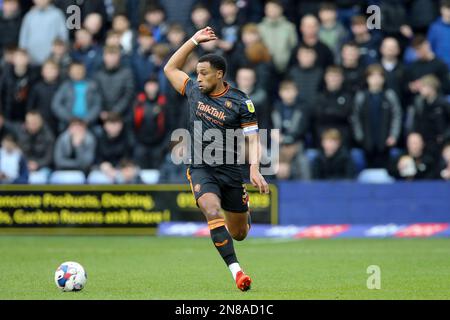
(122, 267)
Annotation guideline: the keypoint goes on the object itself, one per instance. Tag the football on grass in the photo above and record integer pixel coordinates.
(70, 276)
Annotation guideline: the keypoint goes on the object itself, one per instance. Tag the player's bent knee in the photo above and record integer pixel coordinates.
(239, 234)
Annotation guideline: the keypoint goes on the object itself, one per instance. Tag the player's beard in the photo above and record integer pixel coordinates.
(207, 90)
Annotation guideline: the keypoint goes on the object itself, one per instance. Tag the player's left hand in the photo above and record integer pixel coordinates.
(258, 180)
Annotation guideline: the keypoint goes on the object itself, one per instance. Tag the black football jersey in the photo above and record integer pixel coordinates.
(230, 114)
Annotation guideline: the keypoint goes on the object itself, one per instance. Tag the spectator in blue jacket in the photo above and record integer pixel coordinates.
(439, 34)
(13, 166)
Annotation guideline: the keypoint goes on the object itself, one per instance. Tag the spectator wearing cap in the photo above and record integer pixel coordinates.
(41, 26)
(77, 97)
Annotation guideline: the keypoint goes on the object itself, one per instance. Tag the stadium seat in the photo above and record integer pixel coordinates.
(98, 177)
(149, 176)
(375, 176)
(67, 177)
(39, 177)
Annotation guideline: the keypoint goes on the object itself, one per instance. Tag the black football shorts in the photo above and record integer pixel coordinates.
(224, 181)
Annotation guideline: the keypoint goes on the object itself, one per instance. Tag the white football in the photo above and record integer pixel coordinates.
(70, 276)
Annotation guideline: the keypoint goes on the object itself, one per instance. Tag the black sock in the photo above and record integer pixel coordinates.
(224, 244)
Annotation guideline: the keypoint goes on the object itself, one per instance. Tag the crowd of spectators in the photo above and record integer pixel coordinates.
(344, 96)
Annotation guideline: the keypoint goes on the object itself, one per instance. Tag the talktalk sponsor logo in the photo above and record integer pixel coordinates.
(422, 230)
(211, 110)
(323, 231)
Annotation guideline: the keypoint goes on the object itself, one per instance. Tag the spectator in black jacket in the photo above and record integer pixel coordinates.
(333, 107)
(15, 86)
(377, 118)
(307, 74)
(36, 141)
(42, 93)
(10, 21)
(426, 63)
(114, 143)
(429, 114)
(353, 69)
(291, 117)
(151, 124)
(394, 69)
(334, 161)
(13, 165)
(416, 163)
(368, 43)
(116, 84)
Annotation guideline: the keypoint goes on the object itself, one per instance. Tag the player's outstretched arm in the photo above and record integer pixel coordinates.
(173, 67)
(256, 177)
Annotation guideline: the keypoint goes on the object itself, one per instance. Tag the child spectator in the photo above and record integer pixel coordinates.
(228, 28)
(121, 25)
(367, 42)
(142, 60)
(200, 18)
(176, 35)
(334, 161)
(61, 56)
(13, 165)
(77, 97)
(376, 118)
(128, 173)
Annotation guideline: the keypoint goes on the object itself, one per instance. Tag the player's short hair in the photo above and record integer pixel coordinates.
(216, 61)
(331, 134)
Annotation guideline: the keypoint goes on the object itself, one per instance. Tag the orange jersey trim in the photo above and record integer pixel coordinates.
(248, 124)
(217, 95)
(183, 88)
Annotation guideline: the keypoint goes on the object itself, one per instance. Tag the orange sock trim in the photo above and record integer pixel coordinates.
(216, 223)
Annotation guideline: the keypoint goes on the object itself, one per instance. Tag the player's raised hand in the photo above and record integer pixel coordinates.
(258, 180)
(204, 35)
